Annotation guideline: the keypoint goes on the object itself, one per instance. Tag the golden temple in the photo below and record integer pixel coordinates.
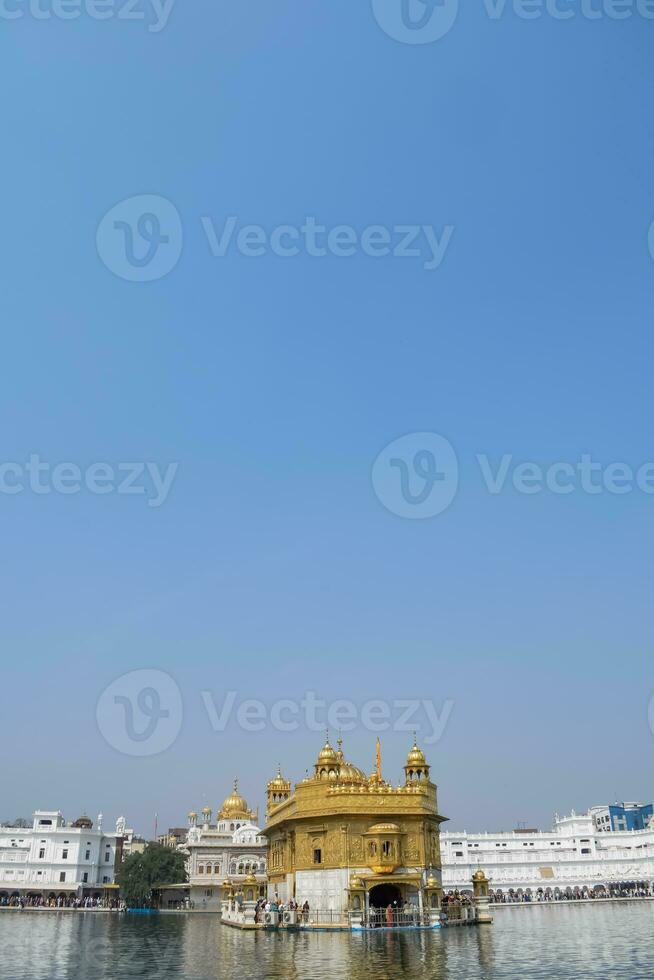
(342, 840)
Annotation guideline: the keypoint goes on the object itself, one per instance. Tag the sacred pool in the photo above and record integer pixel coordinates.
(551, 942)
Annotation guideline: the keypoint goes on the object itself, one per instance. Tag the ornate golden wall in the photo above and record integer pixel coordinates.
(347, 820)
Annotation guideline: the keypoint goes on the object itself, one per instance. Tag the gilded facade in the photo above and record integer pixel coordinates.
(343, 840)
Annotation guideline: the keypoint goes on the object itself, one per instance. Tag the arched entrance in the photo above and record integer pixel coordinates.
(381, 896)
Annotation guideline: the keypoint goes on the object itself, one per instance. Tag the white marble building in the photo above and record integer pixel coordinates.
(229, 849)
(55, 859)
(572, 855)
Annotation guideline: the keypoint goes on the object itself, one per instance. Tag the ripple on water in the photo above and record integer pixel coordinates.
(583, 942)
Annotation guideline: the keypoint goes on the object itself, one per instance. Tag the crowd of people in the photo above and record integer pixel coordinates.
(266, 905)
(38, 901)
(622, 889)
(393, 915)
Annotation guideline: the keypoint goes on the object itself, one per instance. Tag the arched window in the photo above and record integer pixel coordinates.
(200, 869)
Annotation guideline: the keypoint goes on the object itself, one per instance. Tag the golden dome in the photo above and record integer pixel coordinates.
(416, 757)
(192, 813)
(234, 805)
(479, 876)
(278, 782)
(385, 828)
(351, 774)
(327, 755)
(355, 882)
(206, 809)
(431, 882)
(250, 880)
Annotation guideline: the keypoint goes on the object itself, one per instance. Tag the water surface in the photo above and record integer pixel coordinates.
(613, 940)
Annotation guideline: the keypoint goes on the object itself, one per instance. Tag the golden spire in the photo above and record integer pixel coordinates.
(379, 769)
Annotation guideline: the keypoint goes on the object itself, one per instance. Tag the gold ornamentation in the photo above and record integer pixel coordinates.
(338, 812)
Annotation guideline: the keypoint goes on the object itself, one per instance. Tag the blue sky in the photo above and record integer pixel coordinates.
(272, 568)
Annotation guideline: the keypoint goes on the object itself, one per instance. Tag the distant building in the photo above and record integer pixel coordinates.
(575, 854)
(621, 816)
(225, 851)
(57, 859)
(174, 837)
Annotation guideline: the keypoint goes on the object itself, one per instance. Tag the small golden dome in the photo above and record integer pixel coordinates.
(206, 809)
(192, 814)
(234, 805)
(479, 876)
(327, 755)
(250, 880)
(355, 882)
(385, 828)
(416, 757)
(278, 782)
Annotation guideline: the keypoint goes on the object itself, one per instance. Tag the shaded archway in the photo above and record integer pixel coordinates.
(381, 896)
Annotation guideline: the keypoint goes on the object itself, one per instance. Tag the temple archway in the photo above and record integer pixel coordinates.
(381, 896)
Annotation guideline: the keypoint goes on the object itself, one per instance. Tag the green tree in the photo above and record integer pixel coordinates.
(140, 873)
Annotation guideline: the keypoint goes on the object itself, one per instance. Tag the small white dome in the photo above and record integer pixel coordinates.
(247, 833)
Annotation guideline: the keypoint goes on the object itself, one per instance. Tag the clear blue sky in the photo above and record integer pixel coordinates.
(274, 383)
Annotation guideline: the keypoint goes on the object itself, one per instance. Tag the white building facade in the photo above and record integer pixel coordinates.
(573, 855)
(56, 859)
(229, 850)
